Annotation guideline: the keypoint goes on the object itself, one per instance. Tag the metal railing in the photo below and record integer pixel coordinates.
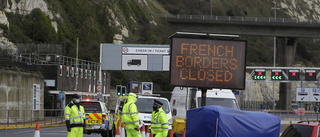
(30, 117)
(242, 19)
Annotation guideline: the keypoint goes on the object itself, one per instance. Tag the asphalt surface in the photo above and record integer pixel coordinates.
(44, 132)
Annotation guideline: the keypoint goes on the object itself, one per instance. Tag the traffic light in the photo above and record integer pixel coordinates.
(294, 74)
(60, 70)
(259, 74)
(310, 75)
(67, 71)
(123, 90)
(276, 74)
(118, 87)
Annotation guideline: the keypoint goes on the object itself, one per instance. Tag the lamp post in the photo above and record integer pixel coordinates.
(275, 8)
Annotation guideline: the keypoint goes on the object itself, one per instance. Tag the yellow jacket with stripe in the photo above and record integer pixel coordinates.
(130, 116)
(72, 114)
(159, 122)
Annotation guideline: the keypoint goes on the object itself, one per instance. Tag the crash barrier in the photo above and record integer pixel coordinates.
(16, 117)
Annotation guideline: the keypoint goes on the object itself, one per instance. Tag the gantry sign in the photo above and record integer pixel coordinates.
(211, 63)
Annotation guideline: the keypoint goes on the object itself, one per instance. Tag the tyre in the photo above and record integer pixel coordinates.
(111, 133)
(105, 134)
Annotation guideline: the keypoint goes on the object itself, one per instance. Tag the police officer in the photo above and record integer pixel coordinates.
(159, 120)
(75, 117)
(130, 116)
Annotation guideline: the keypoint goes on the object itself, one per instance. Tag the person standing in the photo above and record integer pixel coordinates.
(159, 120)
(130, 117)
(75, 117)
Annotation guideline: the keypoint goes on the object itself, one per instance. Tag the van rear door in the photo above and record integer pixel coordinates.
(93, 113)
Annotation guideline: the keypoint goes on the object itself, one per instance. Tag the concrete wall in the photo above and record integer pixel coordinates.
(16, 96)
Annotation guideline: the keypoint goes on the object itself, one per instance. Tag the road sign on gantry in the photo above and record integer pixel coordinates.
(294, 74)
(211, 63)
(314, 95)
(259, 74)
(310, 75)
(302, 95)
(276, 74)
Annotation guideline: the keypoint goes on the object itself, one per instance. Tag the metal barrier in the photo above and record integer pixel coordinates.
(242, 19)
(30, 117)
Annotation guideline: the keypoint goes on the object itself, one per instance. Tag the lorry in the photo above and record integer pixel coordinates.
(185, 98)
(144, 105)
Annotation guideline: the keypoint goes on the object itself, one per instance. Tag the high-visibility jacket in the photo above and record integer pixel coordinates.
(130, 116)
(75, 115)
(159, 122)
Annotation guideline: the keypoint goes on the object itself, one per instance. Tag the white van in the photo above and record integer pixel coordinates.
(185, 98)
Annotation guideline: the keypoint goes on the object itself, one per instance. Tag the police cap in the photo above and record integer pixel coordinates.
(75, 96)
(158, 103)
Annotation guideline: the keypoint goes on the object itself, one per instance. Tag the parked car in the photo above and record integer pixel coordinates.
(98, 118)
(302, 129)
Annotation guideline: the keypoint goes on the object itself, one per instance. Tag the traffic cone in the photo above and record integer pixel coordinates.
(143, 131)
(151, 135)
(37, 132)
(171, 133)
(122, 131)
(184, 133)
(118, 131)
(147, 132)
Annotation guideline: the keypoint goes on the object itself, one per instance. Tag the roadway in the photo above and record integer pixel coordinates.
(44, 132)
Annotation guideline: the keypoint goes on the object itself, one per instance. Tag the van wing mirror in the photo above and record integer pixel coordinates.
(174, 112)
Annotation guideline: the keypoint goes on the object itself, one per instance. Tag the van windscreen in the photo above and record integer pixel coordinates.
(144, 105)
(225, 102)
(91, 107)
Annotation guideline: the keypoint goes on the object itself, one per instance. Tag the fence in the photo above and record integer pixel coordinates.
(29, 117)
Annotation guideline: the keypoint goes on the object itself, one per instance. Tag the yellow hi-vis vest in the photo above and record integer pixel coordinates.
(75, 115)
(159, 122)
(130, 116)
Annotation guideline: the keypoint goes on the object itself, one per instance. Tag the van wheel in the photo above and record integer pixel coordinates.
(105, 134)
(111, 133)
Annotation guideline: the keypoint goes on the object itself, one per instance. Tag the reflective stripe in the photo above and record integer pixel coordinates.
(67, 118)
(165, 123)
(165, 128)
(130, 122)
(129, 107)
(130, 113)
(132, 95)
(77, 122)
(156, 127)
(75, 117)
(155, 123)
(67, 114)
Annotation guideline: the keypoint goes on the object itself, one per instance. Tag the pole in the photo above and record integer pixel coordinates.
(211, 7)
(203, 96)
(274, 52)
(77, 65)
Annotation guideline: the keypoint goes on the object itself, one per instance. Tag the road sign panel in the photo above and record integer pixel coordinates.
(99, 88)
(301, 111)
(310, 75)
(276, 74)
(294, 74)
(259, 74)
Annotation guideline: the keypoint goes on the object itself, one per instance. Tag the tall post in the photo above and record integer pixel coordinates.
(203, 96)
(77, 65)
(274, 54)
(211, 7)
